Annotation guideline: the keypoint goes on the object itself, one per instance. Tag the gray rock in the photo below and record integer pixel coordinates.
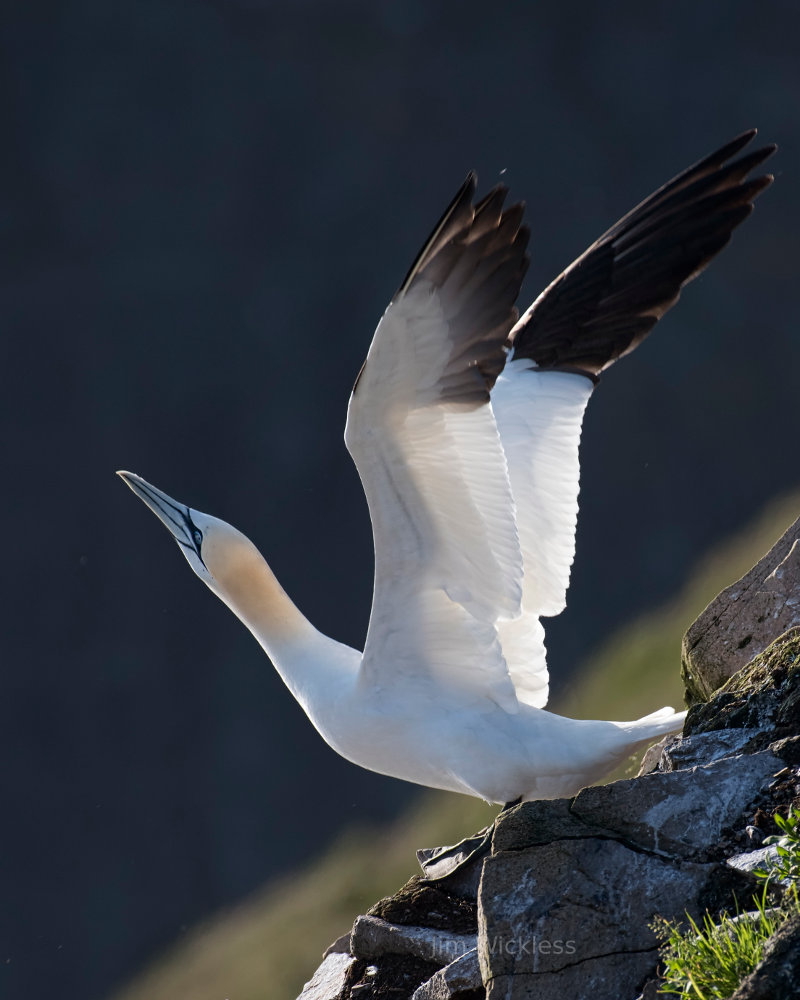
(567, 897)
(652, 755)
(744, 619)
(613, 977)
(341, 946)
(420, 903)
(764, 857)
(752, 917)
(650, 991)
(551, 907)
(461, 976)
(679, 813)
(705, 748)
(787, 749)
(328, 981)
(539, 822)
(373, 937)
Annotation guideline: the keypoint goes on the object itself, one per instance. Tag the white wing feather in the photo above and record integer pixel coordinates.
(539, 416)
(447, 555)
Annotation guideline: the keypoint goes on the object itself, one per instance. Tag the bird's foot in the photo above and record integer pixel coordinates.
(442, 862)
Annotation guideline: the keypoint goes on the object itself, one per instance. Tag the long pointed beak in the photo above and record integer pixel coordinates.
(174, 515)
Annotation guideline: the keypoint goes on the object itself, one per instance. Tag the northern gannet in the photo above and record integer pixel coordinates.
(464, 424)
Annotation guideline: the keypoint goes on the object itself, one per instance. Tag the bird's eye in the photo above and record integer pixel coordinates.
(197, 535)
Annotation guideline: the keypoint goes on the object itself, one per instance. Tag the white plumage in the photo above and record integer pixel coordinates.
(464, 424)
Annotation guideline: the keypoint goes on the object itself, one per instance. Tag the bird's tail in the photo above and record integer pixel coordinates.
(665, 720)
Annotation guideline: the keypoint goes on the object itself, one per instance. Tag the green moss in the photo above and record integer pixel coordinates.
(764, 693)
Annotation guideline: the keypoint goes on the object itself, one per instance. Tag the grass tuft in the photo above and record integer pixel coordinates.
(709, 961)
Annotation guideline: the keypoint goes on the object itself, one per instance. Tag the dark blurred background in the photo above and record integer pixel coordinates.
(204, 209)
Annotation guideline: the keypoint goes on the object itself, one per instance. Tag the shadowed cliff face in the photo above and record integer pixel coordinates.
(566, 901)
(204, 209)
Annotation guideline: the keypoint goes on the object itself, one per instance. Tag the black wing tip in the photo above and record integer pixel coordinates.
(752, 189)
(744, 137)
(606, 303)
(732, 147)
(725, 159)
(464, 196)
(470, 184)
(497, 195)
(736, 145)
(741, 140)
(445, 230)
(750, 161)
(477, 256)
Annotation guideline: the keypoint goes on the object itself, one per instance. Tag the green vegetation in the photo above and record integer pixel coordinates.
(711, 961)
(786, 867)
(270, 944)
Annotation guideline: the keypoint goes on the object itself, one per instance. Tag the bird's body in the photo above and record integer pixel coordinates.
(464, 424)
(476, 747)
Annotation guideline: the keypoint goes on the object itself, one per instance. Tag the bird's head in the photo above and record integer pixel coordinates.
(218, 553)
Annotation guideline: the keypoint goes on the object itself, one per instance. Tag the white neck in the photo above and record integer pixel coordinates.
(313, 666)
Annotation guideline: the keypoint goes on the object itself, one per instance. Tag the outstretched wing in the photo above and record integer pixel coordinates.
(609, 299)
(422, 433)
(600, 308)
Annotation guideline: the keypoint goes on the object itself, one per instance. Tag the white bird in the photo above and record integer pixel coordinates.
(464, 425)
